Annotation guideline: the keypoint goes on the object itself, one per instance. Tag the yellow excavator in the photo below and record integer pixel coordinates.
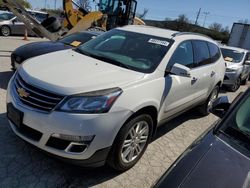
(110, 14)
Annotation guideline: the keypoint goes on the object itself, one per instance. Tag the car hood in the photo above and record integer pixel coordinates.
(68, 72)
(38, 48)
(221, 166)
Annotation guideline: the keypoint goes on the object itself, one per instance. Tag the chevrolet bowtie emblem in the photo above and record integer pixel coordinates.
(22, 93)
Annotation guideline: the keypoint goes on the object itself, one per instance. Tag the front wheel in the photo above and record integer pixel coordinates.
(205, 108)
(244, 82)
(235, 86)
(131, 142)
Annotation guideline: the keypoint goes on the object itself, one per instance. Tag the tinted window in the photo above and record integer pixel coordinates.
(248, 57)
(80, 37)
(6, 16)
(237, 125)
(183, 55)
(201, 53)
(233, 56)
(214, 52)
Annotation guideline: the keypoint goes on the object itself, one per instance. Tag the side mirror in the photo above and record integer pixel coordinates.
(220, 106)
(247, 62)
(180, 70)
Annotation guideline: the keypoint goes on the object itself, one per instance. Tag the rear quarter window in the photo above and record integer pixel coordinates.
(201, 53)
(214, 52)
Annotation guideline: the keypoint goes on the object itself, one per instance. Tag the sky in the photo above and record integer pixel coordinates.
(225, 12)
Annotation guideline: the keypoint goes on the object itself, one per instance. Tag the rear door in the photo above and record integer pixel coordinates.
(204, 73)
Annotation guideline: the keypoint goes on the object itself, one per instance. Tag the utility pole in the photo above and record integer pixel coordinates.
(206, 13)
(197, 17)
(55, 5)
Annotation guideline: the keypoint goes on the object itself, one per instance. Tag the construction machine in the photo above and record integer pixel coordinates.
(110, 14)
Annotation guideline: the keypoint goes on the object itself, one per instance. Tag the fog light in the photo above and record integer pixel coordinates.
(73, 138)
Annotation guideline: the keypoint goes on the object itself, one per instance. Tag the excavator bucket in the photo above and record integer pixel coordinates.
(30, 22)
(87, 22)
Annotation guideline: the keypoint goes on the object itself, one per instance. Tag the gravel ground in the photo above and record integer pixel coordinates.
(24, 166)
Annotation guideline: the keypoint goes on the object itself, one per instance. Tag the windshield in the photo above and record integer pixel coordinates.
(237, 126)
(232, 55)
(130, 50)
(77, 39)
(6, 16)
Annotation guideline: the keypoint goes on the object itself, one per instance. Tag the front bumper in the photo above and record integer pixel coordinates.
(104, 128)
(231, 77)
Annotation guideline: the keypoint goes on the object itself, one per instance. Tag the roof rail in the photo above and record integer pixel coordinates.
(189, 33)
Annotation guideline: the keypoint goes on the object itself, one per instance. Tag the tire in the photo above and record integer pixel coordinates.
(120, 155)
(244, 82)
(205, 108)
(5, 31)
(52, 24)
(235, 86)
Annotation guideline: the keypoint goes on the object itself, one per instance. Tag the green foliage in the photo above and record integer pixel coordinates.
(25, 3)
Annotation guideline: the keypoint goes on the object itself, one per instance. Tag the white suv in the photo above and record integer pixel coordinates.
(103, 101)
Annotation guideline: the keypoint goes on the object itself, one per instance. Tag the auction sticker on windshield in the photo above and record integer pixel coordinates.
(160, 42)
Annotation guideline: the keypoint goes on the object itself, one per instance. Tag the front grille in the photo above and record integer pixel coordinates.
(35, 97)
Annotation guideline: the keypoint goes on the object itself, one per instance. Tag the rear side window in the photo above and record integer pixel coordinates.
(248, 57)
(201, 53)
(183, 55)
(214, 52)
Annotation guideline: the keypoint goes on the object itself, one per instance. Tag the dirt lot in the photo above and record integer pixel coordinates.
(24, 166)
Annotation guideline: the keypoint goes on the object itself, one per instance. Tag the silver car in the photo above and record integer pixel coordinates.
(238, 67)
(10, 24)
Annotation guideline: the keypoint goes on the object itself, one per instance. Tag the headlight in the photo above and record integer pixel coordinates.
(230, 70)
(92, 102)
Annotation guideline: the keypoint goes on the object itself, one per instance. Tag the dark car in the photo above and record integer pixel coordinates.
(38, 48)
(221, 157)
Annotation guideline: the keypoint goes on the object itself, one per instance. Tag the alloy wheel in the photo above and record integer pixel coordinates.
(135, 141)
(213, 97)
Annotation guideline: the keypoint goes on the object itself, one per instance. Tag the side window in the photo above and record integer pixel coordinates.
(214, 52)
(201, 53)
(182, 55)
(248, 57)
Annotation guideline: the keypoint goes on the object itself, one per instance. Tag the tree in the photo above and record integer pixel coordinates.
(143, 14)
(216, 27)
(24, 3)
(167, 19)
(84, 4)
(244, 21)
(182, 18)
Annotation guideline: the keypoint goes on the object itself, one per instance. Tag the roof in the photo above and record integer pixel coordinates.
(234, 48)
(165, 33)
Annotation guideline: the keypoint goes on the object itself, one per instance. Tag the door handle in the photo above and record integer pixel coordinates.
(212, 74)
(194, 79)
